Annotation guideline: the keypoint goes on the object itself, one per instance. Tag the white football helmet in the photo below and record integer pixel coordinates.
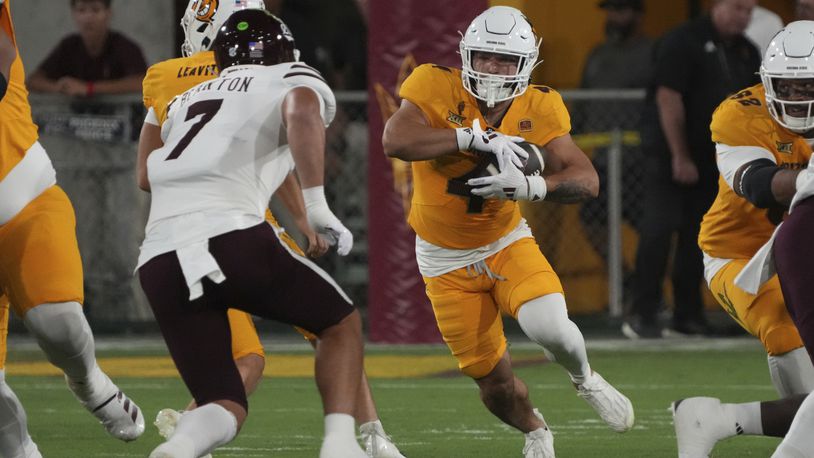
(202, 20)
(501, 30)
(790, 56)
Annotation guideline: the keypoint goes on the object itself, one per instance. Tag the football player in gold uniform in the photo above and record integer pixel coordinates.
(40, 267)
(763, 137)
(162, 83)
(474, 250)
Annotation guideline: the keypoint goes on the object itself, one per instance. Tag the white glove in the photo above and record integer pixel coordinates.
(324, 222)
(509, 184)
(476, 140)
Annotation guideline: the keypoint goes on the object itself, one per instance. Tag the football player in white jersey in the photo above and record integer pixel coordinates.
(228, 144)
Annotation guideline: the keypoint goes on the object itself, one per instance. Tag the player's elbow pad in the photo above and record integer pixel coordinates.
(753, 182)
(3, 86)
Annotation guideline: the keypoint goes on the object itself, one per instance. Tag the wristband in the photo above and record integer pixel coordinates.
(537, 188)
(89, 90)
(314, 196)
(465, 138)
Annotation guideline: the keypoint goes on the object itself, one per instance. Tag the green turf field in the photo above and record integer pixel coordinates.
(434, 415)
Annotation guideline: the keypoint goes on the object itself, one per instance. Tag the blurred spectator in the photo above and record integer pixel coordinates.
(696, 66)
(762, 27)
(96, 60)
(805, 10)
(608, 66)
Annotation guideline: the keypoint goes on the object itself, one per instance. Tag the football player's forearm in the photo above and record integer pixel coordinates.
(784, 185)
(572, 186)
(410, 141)
(290, 194)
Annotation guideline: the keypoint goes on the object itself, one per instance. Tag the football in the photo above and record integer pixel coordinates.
(535, 164)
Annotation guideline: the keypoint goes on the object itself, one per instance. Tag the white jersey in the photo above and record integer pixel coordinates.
(225, 153)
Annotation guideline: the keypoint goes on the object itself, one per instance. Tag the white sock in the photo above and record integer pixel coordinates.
(205, 428)
(792, 373)
(63, 333)
(746, 417)
(545, 321)
(15, 442)
(340, 423)
(799, 441)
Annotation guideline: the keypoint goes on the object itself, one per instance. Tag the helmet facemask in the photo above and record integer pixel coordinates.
(504, 31)
(790, 101)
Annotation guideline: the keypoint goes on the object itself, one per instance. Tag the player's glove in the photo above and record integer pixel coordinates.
(324, 222)
(509, 184)
(476, 140)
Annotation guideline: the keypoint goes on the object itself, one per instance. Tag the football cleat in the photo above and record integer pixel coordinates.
(612, 406)
(120, 416)
(699, 424)
(378, 444)
(165, 422)
(539, 443)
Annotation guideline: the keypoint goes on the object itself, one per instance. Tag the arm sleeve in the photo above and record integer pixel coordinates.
(732, 158)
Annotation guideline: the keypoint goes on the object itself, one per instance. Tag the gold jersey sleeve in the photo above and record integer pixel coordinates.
(17, 129)
(733, 228)
(443, 211)
(172, 77)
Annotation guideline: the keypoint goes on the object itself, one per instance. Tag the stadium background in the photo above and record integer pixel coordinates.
(92, 143)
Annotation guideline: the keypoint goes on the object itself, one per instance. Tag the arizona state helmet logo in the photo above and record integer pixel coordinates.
(205, 10)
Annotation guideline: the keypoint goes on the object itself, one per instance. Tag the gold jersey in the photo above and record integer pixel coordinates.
(443, 212)
(17, 130)
(733, 228)
(172, 77)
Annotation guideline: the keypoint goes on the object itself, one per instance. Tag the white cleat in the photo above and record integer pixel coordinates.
(612, 406)
(539, 443)
(120, 416)
(700, 423)
(378, 444)
(165, 422)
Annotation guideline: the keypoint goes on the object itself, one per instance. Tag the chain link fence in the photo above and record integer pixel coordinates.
(93, 147)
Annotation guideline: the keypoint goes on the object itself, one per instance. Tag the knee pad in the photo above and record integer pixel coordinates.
(64, 335)
(545, 321)
(792, 373)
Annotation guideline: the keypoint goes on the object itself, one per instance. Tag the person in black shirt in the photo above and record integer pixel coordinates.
(697, 65)
(96, 60)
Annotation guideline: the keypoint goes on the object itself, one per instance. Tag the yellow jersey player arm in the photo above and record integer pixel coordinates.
(746, 159)
(411, 133)
(570, 177)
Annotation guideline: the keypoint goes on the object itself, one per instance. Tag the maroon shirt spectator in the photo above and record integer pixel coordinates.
(96, 60)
